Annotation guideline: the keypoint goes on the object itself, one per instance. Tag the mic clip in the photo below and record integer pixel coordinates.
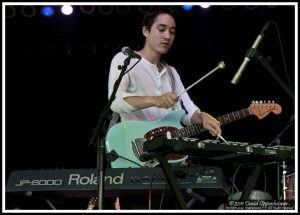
(250, 53)
(254, 53)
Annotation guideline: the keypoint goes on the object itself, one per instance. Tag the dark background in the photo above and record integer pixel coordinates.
(57, 73)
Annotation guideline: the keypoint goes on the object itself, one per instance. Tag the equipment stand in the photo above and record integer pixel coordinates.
(266, 63)
(98, 137)
(251, 182)
(101, 171)
(284, 184)
(172, 181)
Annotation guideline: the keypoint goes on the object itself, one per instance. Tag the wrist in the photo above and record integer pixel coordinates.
(206, 114)
(152, 101)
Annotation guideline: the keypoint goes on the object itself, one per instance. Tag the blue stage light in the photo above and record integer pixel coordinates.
(47, 11)
(187, 7)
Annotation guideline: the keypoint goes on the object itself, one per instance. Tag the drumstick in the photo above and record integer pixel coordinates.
(221, 65)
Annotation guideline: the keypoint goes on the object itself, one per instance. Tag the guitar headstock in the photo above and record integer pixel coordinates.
(262, 108)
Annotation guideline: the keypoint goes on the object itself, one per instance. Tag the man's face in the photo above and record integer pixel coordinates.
(162, 33)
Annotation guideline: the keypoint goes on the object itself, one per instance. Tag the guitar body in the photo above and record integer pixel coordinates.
(119, 137)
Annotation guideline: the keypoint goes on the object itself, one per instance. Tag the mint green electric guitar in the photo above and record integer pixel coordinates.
(127, 138)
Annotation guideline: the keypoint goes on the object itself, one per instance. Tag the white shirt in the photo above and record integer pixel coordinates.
(145, 80)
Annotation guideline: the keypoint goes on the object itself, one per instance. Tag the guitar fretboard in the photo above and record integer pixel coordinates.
(188, 131)
(198, 129)
(231, 117)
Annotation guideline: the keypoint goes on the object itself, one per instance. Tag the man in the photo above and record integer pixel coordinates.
(151, 89)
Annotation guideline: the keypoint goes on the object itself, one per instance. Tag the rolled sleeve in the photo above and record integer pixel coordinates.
(119, 105)
(186, 118)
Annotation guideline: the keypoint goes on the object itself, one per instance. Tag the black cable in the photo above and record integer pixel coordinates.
(113, 155)
(282, 53)
(132, 66)
(131, 161)
(162, 196)
(280, 134)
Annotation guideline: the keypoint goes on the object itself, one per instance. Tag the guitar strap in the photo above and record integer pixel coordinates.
(169, 70)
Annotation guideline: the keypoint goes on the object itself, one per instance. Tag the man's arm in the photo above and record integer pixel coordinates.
(166, 100)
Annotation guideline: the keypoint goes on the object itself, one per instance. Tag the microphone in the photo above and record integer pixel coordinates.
(127, 51)
(249, 54)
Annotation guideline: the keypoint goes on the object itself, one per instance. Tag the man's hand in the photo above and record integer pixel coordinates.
(166, 100)
(208, 122)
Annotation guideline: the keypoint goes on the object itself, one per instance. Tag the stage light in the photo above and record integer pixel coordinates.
(228, 7)
(251, 7)
(28, 11)
(106, 10)
(67, 9)
(47, 11)
(122, 9)
(87, 9)
(187, 7)
(204, 5)
(145, 9)
(10, 11)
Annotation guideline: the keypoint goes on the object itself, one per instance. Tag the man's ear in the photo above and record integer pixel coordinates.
(145, 31)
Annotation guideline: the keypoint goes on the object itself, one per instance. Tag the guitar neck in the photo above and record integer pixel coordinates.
(193, 130)
(234, 116)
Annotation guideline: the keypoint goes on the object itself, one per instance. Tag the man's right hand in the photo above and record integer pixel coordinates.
(166, 100)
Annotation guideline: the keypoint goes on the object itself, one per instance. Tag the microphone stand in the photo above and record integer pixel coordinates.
(266, 63)
(98, 137)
